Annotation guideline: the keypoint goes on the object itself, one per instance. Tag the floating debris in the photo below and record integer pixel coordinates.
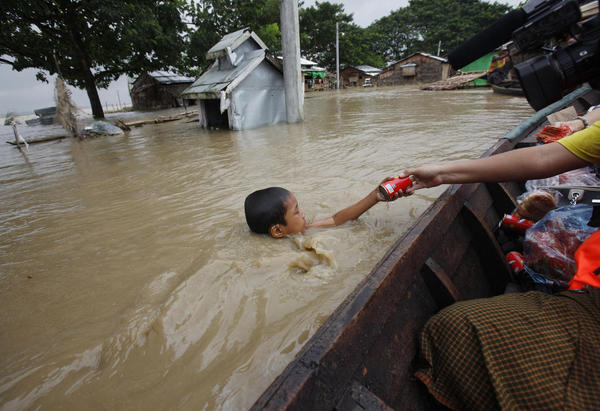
(454, 82)
(102, 128)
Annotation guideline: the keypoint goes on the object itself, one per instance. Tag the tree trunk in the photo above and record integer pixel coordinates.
(92, 92)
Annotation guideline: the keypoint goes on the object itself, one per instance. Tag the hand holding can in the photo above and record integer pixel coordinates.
(390, 188)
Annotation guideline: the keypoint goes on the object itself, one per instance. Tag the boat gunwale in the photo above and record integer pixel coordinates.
(404, 260)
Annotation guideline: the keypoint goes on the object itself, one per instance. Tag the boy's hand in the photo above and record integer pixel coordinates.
(396, 196)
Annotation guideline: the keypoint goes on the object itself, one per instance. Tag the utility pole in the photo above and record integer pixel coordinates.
(337, 55)
(292, 74)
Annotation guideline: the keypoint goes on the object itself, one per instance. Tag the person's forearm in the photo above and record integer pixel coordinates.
(580, 122)
(356, 210)
(516, 165)
(593, 116)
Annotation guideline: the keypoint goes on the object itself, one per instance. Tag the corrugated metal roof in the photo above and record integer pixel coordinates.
(443, 60)
(431, 56)
(303, 61)
(368, 69)
(166, 77)
(214, 80)
(233, 41)
(313, 68)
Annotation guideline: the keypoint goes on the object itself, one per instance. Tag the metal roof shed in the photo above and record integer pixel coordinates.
(244, 86)
(159, 89)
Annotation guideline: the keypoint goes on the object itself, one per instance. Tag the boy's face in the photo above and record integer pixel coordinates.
(295, 222)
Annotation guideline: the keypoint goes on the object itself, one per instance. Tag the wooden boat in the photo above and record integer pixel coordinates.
(363, 356)
(512, 88)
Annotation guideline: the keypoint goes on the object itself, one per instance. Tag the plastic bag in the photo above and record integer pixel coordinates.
(550, 245)
(585, 176)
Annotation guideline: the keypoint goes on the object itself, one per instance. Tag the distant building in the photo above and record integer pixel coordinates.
(357, 76)
(159, 89)
(414, 69)
(315, 77)
(243, 88)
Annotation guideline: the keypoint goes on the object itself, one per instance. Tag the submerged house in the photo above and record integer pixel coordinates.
(244, 86)
(417, 68)
(359, 76)
(159, 89)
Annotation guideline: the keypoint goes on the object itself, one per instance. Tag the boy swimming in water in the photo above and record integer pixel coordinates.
(275, 211)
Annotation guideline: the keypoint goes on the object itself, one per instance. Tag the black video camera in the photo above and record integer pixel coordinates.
(546, 77)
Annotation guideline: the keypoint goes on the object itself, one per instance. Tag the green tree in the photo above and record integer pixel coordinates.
(212, 19)
(95, 41)
(356, 47)
(395, 35)
(317, 37)
(423, 24)
(451, 22)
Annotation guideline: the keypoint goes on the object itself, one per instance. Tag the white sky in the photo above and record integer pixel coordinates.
(21, 93)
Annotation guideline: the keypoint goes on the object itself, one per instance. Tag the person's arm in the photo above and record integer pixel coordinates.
(578, 124)
(354, 211)
(517, 165)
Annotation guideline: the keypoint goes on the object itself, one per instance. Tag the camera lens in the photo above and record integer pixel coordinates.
(541, 81)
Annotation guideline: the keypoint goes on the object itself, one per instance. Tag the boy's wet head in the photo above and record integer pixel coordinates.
(274, 211)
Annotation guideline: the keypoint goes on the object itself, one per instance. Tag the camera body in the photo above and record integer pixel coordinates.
(556, 70)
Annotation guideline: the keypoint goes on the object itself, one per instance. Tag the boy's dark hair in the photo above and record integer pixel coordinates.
(264, 209)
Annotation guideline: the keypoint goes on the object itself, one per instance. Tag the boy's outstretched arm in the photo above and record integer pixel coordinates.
(352, 212)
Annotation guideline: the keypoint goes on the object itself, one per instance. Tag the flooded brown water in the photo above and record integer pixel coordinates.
(129, 279)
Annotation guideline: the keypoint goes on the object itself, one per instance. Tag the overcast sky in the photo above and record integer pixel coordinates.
(21, 93)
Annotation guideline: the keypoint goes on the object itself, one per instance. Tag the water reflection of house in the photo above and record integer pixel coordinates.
(356, 76)
(244, 86)
(159, 89)
(416, 68)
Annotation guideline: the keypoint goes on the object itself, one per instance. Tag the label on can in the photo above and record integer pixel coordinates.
(393, 186)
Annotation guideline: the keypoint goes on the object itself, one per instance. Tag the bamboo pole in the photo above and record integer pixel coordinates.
(14, 126)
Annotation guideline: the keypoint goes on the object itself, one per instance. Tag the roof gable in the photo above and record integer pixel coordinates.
(420, 53)
(215, 80)
(233, 41)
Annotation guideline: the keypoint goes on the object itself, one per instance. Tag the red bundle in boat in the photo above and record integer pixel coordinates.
(550, 133)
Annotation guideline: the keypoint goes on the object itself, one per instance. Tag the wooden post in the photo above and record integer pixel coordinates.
(337, 55)
(292, 75)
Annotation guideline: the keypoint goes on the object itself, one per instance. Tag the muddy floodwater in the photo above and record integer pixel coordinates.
(130, 281)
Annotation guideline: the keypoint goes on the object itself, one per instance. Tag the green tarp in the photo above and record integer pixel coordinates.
(481, 64)
(315, 74)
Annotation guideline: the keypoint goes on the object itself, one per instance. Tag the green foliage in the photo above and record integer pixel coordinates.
(425, 23)
(212, 19)
(395, 35)
(271, 36)
(318, 32)
(95, 41)
(452, 22)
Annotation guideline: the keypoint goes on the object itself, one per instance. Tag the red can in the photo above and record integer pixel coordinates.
(393, 186)
(515, 261)
(516, 224)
